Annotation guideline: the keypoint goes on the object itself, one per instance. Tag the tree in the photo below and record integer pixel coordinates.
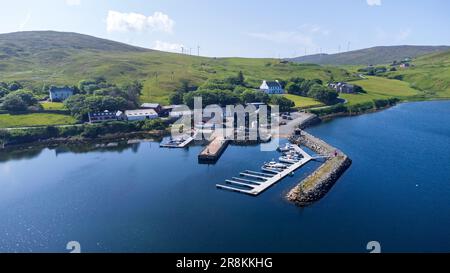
(358, 89)
(27, 96)
(133, 91)
(77, 106)
(185, 86)
(250, 96)
(14, 102)
(293, 88)
(155, 124)
(3, 91)
(284, 104)
(176, 98)
(323, 94)
(210, 97)
(19, 101)
(113, 103)
(14, 86)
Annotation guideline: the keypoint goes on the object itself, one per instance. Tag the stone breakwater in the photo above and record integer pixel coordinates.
(318, 184)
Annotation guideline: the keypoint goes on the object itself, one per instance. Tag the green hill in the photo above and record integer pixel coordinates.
(430, 74)
(38, 59)
(374, 55)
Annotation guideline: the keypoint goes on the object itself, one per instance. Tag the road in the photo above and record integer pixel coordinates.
(289, 128)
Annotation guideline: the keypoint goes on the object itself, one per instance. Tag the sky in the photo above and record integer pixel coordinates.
(239, 28)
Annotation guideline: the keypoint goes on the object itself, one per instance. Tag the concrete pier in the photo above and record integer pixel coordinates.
(214, 150)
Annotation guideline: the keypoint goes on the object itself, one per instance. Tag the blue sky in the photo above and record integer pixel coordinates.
(246, 28)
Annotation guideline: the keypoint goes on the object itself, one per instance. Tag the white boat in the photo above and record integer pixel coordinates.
(286, 148)
(276, 165)
(288, 159)
(271, 170)
(293, 154)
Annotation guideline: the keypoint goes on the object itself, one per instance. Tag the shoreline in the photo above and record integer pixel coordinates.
(376, 110)
(105, 139)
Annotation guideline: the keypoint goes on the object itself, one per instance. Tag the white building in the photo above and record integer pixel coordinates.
(60, 93)
(271, 87)
(141, 114)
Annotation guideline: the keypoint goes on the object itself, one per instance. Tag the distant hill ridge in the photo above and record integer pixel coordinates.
(24, 43)
(374, 55)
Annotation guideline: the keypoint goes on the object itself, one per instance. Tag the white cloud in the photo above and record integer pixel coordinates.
(73, 2)
(165, 46)
(374, 2)
(122, 22)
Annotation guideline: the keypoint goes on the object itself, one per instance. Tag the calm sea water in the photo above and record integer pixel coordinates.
(142, 198)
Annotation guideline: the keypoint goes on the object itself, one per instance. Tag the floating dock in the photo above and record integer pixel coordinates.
(214, 150)
(183, 144)
(263, 181)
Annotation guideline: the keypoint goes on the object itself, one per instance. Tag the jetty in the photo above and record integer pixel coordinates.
(319, 183)
(212, 152)
(256, 183)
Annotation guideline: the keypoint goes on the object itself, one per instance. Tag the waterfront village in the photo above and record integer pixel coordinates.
(251, 182)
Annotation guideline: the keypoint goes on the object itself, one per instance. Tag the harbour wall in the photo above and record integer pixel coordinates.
(319, 183)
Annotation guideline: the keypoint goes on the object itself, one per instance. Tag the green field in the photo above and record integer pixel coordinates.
(303, 102)
(380, 88)
(35, 119)
(430, 74)
(53, 106)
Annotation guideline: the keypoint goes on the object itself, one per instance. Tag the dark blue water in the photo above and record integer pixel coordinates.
(142, 198)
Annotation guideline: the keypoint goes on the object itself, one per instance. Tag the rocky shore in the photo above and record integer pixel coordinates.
(318, 184)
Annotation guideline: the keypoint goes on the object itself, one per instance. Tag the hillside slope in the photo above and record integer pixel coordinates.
(431, 74)
(374, 55)
(38, 59)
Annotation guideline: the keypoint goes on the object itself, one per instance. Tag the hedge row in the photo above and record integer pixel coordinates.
(357, 108)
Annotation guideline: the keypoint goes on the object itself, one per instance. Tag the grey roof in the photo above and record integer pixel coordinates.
(273, 84)
(103, 114)
(58, 89)
(141, 112)
(150, 105)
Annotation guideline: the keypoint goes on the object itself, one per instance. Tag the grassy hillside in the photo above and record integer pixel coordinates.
(430, 74)
(38, 59)
(303, 102)
(37, 119)
(375, 55)
(380, 88)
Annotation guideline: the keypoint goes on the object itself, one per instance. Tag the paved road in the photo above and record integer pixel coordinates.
(289, 128)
